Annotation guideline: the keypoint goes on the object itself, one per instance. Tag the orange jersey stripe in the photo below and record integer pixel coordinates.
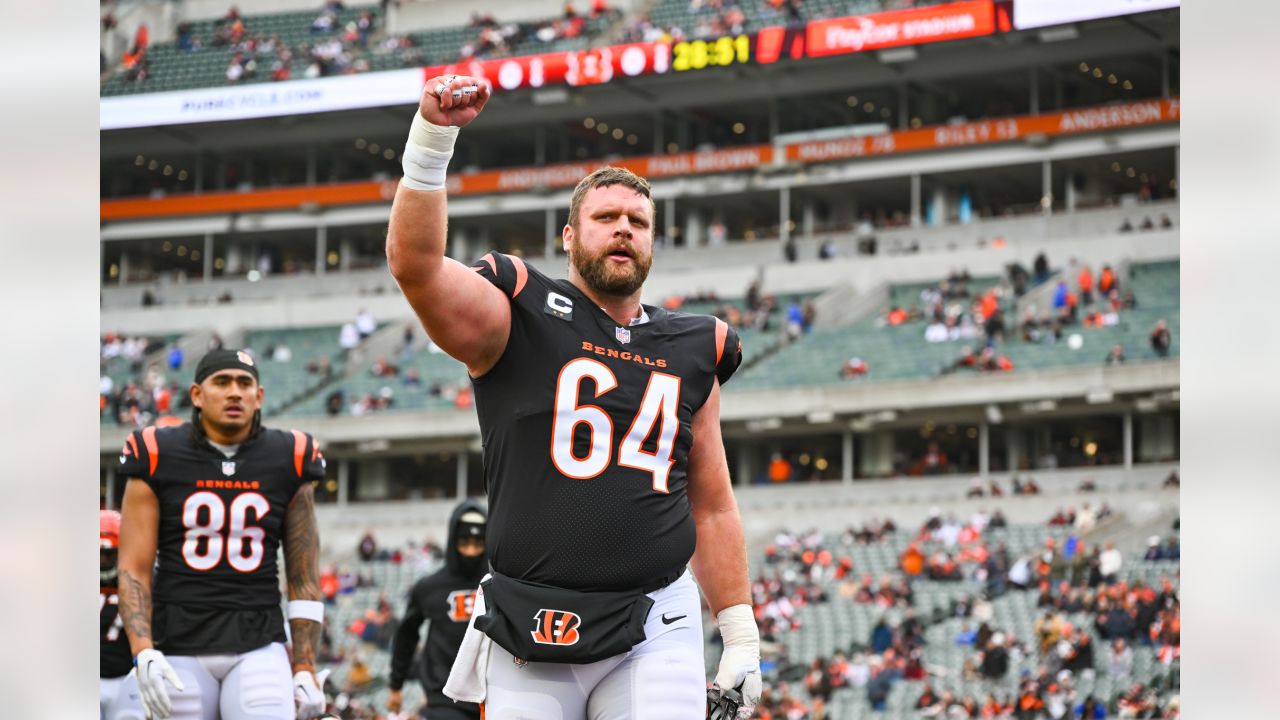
(153, 447)
(722, 331)
(522, 274)
(299, 450)
(133, 444)
(492, 265)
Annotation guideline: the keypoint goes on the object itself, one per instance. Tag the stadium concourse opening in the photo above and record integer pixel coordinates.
(952, 255)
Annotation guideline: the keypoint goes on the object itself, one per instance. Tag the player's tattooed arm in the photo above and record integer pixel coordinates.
(139, 527)
(302, 570)
(135, 609)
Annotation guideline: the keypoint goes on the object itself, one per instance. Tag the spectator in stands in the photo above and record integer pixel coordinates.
(795, 321)
(368, 547)
(348, 336)
(935, 461)
(235, 69)
(175, 357)
(854, 367)
(1115, 356)
(1040, 266)
(1085, 282)
(1120, 664)
(994, 327)
(1107, 280)
(993, 663)
(1160, 339)
(779, 469)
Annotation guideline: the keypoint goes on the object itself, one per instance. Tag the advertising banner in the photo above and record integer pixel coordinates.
(259, 100)
(1039, 13)
(894, 28)
(734, 159)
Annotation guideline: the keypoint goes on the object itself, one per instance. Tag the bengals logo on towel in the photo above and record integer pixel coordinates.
(461, 603)
(555, 627)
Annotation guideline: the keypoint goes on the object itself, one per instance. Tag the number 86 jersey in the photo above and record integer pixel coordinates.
(217, 587)
(587, 428)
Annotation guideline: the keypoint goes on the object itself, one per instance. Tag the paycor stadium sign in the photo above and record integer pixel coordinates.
(1076, 121)
(819, 38)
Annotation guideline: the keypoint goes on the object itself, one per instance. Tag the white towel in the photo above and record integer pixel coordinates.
(468, 676)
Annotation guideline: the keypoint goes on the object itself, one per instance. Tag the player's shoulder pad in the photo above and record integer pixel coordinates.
(728, 351)
(507, 272)
(140, 454)
(308, 462)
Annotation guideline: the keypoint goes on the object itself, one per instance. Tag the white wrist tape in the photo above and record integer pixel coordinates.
(306, 610)
(738, 627)
(426, 154)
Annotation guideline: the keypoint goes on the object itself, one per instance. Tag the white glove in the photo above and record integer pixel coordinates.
(152, 671)
(740, 661)
(308, 693)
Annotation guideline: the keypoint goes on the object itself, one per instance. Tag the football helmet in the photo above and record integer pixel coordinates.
(108, 546)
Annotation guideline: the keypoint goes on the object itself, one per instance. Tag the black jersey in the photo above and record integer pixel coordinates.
(444, 599)
(587, 428)
(217, 586)
(115, 659)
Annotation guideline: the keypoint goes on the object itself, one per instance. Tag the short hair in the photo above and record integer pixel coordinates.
(606, 177)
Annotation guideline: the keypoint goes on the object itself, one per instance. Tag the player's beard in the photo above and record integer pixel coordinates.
(608, 278)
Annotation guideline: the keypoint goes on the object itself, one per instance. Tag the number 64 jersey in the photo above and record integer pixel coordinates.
(587, 428)
(217, 587)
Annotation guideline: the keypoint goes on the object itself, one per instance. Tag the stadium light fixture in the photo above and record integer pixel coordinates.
(994, 416)
(1059, 33)
(898, 55)
(1099, 396)
(820, 416)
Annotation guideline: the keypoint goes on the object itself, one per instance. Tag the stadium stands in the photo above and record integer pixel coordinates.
(834, 633)
(292, 42)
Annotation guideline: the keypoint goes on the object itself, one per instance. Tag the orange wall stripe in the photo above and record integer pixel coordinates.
(1102, 118)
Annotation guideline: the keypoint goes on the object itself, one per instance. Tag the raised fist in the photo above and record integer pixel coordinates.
(453, 100)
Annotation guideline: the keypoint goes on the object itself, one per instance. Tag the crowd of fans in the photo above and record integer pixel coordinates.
(951, 311)
(153, 389)
(495, 39)
(344, 48)
(1090, 621)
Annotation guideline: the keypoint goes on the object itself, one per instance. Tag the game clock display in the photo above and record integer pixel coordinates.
(699, 54)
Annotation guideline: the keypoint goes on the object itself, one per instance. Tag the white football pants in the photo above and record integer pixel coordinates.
(108, 689)
(662, 678)
(257, 685)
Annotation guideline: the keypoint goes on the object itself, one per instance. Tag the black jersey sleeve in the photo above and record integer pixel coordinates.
(139, 455)
(728, 351)
(405, 643)
(507, 272)
(308, 462)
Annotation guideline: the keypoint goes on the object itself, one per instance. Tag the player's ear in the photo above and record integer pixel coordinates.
(195, 395)
(260, 392)
(566, 237)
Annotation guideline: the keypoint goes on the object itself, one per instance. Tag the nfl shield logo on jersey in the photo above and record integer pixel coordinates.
(623, 334)
(228, 468)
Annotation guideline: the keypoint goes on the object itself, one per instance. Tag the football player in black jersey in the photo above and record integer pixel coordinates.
(445, 599)
(603, 459)
(208, 504)
(114, 658)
